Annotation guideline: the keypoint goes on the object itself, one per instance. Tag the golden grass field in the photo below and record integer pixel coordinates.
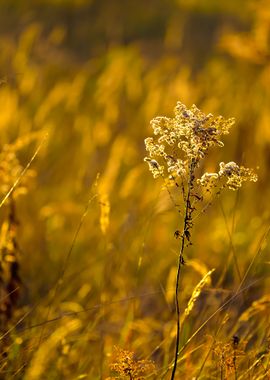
(89, 240)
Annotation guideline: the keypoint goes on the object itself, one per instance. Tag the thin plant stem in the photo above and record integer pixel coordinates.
(184, 237)
(177, 304)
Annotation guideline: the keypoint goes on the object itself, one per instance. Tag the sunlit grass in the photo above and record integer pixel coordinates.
(90, 235)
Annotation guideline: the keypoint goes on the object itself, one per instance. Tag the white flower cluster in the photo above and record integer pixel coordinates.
(186, 137)
(180, 143)
(230, 175)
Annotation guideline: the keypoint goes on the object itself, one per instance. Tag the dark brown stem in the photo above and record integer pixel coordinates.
(180, 263)
(185, 237)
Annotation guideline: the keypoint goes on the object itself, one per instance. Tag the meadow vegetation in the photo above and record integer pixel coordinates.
(89, 240)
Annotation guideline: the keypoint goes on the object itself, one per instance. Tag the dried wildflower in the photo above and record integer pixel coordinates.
(175, 152)
(184, 138)
(183, 141)
(128, 367)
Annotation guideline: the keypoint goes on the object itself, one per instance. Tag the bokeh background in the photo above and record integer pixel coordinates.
(91, 75)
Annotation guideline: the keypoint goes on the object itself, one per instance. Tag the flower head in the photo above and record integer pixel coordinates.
(186, 137)
(180, 143)
(230, 175)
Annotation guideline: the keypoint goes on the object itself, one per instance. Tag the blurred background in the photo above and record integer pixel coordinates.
(92, 74)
